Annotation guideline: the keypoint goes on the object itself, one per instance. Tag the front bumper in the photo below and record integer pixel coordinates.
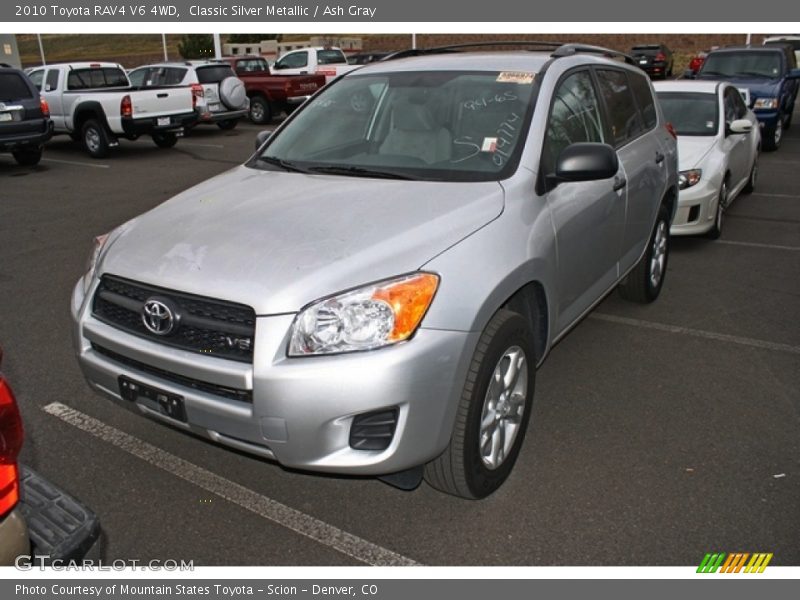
(767, 118)
(697, 209)
(302, 409)
(148, 125)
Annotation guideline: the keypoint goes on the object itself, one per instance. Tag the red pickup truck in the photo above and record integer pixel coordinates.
(272, 94)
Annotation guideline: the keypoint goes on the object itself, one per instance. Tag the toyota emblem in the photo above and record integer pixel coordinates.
(159, 317)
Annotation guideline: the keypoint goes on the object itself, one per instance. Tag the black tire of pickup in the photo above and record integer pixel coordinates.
(94, 139)
(260, 110)
(227, 125)
(165, 139)
(28, 157)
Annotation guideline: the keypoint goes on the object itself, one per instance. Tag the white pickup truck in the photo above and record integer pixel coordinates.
(319, 60)
(95, 104)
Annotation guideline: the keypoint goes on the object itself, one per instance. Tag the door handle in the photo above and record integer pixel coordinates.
(659, 158)
(164, 95)
(619, 183)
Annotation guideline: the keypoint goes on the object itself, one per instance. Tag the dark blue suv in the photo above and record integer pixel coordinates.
(768, 78)
(25, 123)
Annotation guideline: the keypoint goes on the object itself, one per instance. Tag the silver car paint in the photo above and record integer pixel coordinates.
(277, 241)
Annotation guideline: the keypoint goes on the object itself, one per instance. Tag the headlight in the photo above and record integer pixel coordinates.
(767, 103)
(687, 179)
(98, 243)
(369, 317)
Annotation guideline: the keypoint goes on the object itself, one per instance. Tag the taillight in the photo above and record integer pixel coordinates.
(126, 107)
(11, 436)
(671, 130)
(197, 92)
(43, 106)
(661, 57)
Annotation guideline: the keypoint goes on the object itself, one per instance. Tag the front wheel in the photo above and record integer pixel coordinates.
(644, 282)
(773, 135)
(722, 199)
(165, 139)
(493, 412)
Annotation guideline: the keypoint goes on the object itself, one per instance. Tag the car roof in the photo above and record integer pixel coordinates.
(94, 64)
(746, 49)
(687, 85)
(463, 61)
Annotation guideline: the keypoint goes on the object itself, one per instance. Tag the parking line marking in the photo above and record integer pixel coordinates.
(75, 162)
(766, 195)
(272, 510)
(756, 245)
(710, 335)
(202, 145)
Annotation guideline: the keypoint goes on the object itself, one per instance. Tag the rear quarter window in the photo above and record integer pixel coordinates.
(14, 87)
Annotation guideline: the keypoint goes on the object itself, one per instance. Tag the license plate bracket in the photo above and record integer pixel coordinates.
(168, 404)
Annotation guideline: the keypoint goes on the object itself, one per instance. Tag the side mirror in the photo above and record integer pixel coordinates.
(739, 126)
(262, 138)
(793, 74)
(689, 74)
(586, 161)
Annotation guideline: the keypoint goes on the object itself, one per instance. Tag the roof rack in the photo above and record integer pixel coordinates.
(560, 49)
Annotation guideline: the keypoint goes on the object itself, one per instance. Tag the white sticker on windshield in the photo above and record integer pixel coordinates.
(521, 77)
(489, 144)
(709, 124)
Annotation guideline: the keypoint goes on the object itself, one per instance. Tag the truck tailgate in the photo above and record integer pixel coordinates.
(155, 102)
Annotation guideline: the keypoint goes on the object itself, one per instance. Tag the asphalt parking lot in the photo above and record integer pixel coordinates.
(659, 432)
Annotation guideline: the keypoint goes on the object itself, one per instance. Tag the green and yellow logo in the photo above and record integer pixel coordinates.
(734, 562)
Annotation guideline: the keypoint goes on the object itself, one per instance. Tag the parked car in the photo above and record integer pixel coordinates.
(25, 123)
(793, 41)
(718, 145)
(94, 103)
(768, 78)
(320, 60)
(433, 226)
(272, 94)
(654, 59)
(219, 96)
(364, 58)
(36, 517)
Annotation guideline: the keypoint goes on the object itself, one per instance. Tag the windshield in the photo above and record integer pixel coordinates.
(743, 64)
(436, 125)
(691, 113)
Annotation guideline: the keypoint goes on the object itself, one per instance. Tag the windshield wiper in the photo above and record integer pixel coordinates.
(754, 74)
(358, 172)
(283, 164)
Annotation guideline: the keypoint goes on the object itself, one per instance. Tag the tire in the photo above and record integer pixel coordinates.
(227, 125)
(787, 124)
(28, 157)
(462, 469)
(94, 139)
(722, 201)
(260, 110)
(643, 284)
(165, 139)
(232, 93)
(773, 136)
(750, 186)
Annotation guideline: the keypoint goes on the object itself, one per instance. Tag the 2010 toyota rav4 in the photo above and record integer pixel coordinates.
(372, 292)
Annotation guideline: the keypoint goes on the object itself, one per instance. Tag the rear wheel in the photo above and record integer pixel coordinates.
(28, 157)
(229, 124)
(260, 110)
(773, 135)
(94, 138)
(493, 412)
(644, 282)
(165, 139)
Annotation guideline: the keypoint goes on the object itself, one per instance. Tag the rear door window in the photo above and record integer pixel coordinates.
(14, 87)
(624, 119)
(52, 80)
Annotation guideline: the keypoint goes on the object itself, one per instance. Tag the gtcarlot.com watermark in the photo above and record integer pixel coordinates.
(26, 562)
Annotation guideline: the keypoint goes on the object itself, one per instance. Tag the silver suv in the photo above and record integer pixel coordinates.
(372, 292)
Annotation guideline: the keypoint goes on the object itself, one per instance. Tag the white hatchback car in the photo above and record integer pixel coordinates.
(718, 145)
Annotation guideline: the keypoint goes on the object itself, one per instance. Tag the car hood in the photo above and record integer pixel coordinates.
(759, 86)
(277, 241)
(693, 149)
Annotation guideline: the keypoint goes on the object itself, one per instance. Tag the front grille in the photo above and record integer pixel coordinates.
(207, 326)
(195, 384)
